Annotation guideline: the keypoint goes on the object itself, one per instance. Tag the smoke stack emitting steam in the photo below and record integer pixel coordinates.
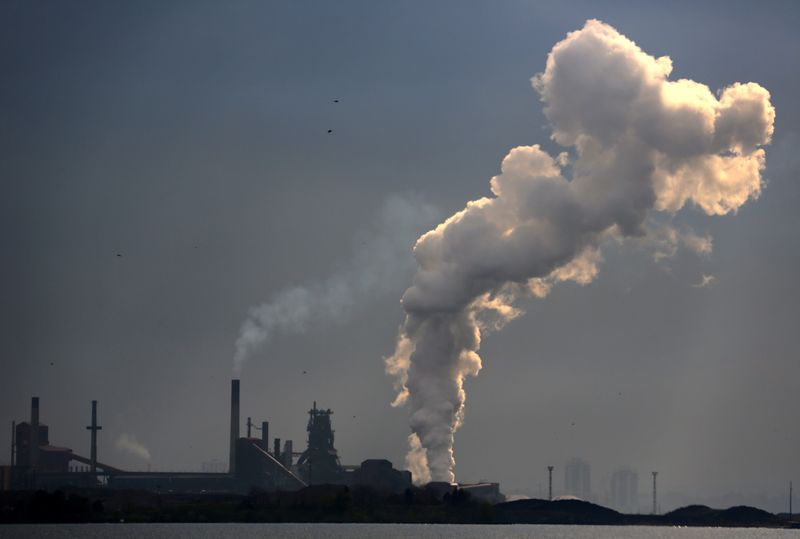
(380, 262)
(639, 143)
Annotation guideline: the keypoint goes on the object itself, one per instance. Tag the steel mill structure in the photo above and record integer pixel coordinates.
(253, 461)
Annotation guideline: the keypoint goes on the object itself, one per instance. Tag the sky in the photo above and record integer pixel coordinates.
(167, 166)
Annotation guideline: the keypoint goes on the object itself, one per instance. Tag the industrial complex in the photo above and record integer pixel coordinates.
(254, 463)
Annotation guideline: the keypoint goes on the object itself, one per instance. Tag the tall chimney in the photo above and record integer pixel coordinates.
(94, 427)
(277, 451)
(265, 435)
(234, 425)
(287, 453)
(13, 442)
(33, 447)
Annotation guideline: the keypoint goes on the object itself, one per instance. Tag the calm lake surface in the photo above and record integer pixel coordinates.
(376, 531)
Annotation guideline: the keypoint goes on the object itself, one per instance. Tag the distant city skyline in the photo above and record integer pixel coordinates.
(625, 491)
(578, 479)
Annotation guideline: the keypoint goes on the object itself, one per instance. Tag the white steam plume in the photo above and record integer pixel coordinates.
(129, 444)
(640, 144)
(381, 262)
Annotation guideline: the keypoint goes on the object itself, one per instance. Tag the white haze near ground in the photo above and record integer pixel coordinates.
(639, 146)
(381, 259)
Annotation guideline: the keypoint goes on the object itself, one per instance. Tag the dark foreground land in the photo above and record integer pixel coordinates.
(329, 503)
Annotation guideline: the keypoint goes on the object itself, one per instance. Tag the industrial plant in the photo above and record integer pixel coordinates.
(254, 462)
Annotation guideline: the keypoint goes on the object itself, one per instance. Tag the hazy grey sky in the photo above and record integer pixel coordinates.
(191, 138)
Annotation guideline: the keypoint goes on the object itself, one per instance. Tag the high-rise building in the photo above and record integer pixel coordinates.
(578, 479)
(625, 491)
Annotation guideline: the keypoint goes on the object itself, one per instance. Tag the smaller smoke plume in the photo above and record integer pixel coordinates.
(381, 263)
(129, 444)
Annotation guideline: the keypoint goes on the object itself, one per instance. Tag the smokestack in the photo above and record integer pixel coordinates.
(287, 453)
(265, 435)
(550, 483)
(94, 427)
(13, 442)
(277, 450)
(33, 448)
(234, 424)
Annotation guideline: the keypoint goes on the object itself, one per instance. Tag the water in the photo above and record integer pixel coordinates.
(376, 531)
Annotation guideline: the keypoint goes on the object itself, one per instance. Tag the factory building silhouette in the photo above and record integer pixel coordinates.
(253, 462)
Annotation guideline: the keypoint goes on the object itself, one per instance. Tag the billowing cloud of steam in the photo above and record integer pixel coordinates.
(639, 143)
(129, 444)
(381, 262)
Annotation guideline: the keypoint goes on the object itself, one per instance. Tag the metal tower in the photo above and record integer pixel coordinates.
(94, 427)
(319, 463)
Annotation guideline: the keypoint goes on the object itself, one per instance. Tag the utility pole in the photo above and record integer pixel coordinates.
(94, 427)
(655, 508)
(550, 483)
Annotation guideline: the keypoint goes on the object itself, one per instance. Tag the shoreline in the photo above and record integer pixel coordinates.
(332, 504)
